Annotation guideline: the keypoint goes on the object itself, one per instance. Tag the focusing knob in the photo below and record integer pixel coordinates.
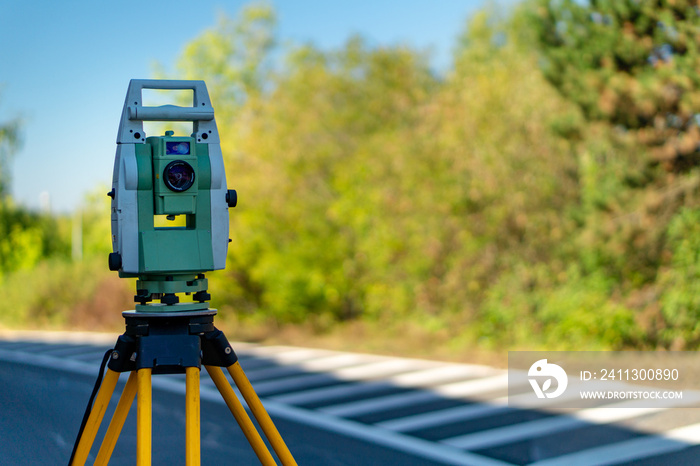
(231, 198)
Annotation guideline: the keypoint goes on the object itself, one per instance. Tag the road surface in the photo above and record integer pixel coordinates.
(332, 408)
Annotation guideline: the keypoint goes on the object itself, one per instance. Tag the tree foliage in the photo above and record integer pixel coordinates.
(370, 188)
(517, 200)
(632, 64)
(26, 237)
(9, 141)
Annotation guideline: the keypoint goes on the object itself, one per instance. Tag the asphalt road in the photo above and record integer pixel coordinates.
(42, 409)
(334, 408)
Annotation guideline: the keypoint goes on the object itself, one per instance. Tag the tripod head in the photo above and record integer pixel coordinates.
(169, 200)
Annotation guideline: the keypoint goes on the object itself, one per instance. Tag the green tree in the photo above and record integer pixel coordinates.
(513, 145)
(680, 280)
(318, 160)
(26, 237)
(233, 57)
(632, 64)
(95, 225)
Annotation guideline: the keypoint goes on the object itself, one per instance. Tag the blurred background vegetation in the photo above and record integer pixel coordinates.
(543, 193)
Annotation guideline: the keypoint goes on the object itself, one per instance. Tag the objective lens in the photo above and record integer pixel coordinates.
(178, 176)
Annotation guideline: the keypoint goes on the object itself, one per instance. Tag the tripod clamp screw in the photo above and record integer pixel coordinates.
(115, 354)
(228, 350)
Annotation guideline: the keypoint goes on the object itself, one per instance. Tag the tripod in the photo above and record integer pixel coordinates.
(172, 343)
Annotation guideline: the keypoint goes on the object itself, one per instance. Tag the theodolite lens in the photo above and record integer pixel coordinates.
(178, 176)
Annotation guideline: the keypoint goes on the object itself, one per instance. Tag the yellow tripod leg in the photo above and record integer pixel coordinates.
(118, 418)
(260, 414)
(238, 411)
(95, 419)
(192, 439)
(143, 417)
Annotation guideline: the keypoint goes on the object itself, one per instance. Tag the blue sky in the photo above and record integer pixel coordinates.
(65, 67)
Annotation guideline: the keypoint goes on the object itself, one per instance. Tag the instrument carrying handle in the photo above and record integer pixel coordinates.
(201, 113)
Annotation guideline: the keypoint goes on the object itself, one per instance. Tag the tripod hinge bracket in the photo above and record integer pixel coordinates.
(216, 350)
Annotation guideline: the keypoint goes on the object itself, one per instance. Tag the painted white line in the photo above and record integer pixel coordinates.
(354, 373)
(443, 416)
(284, 355)
(293, 383)
(630, 450)
(442, 374)
(279, 354)
(473, 387)
(59, 337)
(90, 356)
(331, 393)
(268, 351)
(688, 434)
(560, 423)
(322, 364)
(381, 404)
(418, 378)
(49, 362)
(377, 369)
(452, 390)
(336, 361)
(513, 433)
(523, 401)
(272, 372)
(35, 347)
(461, 413)
(75, 351)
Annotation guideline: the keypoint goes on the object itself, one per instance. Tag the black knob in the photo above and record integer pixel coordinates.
(115, 261)
(112, 193)
(201, 296)
(169, 299)
(231, 198)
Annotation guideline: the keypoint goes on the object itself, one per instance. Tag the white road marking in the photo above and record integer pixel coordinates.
(630, 450)
(442, 373)
(560, 423)
(443, 416)
(289, 356)
(452, 390)
(335, 361)
(464, 413)
(381, 369)
(411, 379)
(96, 338)
(354, 373)
(331, 393)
